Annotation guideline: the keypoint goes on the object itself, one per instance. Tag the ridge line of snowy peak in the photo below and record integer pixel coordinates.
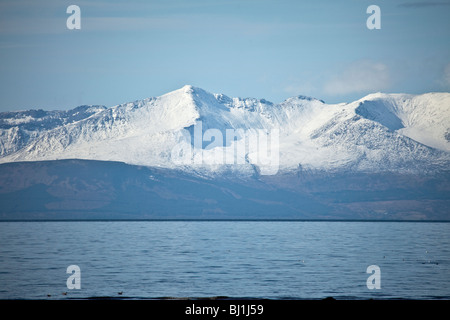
(400, 132)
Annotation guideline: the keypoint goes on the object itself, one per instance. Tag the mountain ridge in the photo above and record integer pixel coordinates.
(382, 157)
(379, 132)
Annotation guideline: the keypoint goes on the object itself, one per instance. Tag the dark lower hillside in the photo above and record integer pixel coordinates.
(82, 189)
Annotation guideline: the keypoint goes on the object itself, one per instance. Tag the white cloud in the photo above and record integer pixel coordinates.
(358, 77)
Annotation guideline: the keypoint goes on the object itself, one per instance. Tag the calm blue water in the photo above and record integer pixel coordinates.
(276, 260)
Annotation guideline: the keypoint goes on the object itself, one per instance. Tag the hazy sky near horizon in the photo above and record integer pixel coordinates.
(271, 49)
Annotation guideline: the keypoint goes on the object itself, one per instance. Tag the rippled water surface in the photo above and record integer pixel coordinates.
(261, 259)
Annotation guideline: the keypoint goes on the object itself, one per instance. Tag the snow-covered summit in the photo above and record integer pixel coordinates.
(424, 118)
(380, 132)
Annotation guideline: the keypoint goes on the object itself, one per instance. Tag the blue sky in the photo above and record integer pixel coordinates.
(130, 50)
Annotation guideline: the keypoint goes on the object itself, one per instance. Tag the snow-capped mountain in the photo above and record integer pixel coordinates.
(380, 132)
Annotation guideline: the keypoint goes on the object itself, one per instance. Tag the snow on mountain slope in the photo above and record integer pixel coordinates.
(380, 132)
(424, 118)
(19, 128)
(129, 132)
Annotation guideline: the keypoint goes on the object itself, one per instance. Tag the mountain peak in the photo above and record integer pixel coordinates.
(186, 89)
(189, 91)
(303, 98)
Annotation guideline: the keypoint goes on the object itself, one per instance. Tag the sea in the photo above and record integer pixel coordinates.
(281, 260)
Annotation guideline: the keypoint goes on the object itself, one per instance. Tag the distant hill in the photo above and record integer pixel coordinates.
(86, 189)
(385, 156)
